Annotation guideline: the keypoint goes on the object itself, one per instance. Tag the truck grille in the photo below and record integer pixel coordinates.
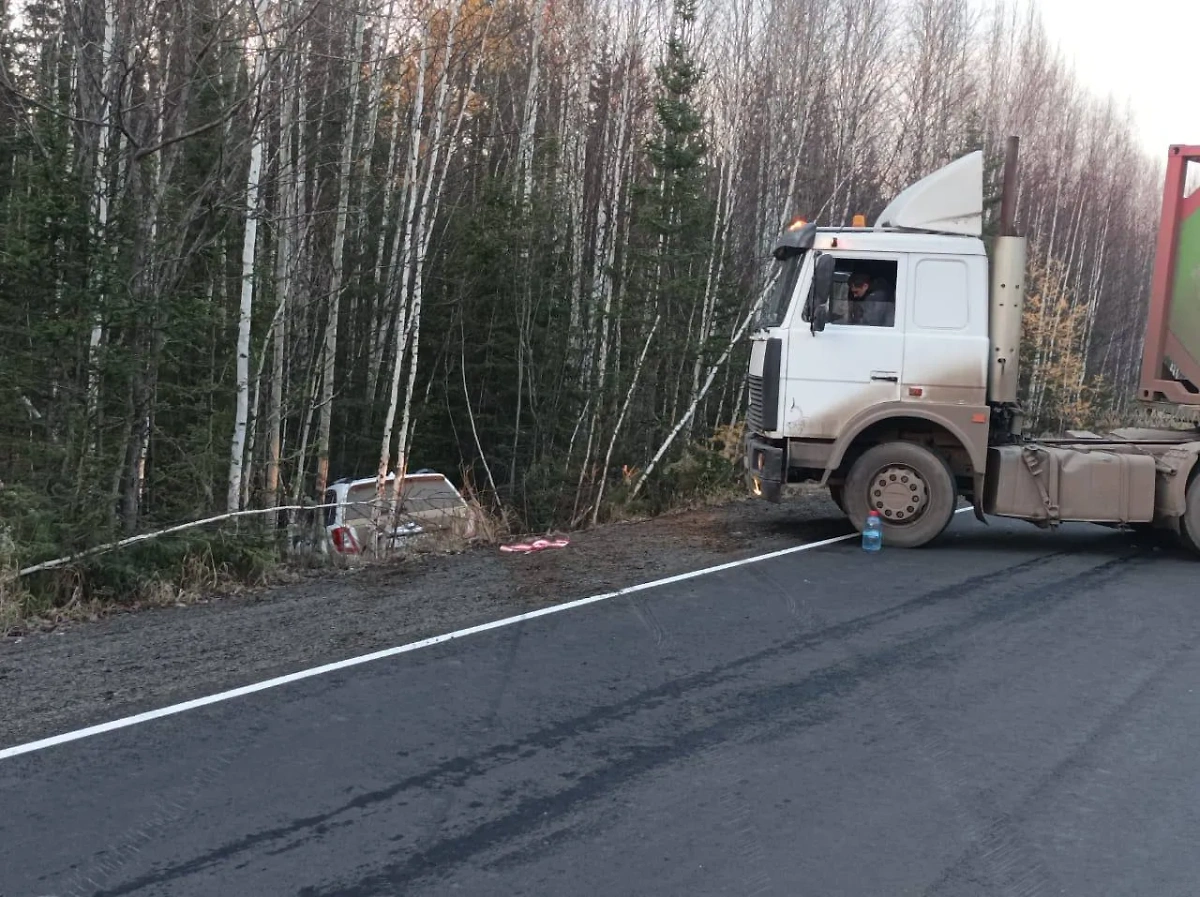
(763, 414)
(754, 413)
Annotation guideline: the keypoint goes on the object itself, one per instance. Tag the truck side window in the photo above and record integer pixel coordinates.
(868, 297)
(775, 308)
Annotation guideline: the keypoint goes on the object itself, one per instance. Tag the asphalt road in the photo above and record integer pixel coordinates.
(1010, 713)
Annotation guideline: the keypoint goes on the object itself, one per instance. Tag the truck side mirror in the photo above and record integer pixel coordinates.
(820, 318)
(822, 289)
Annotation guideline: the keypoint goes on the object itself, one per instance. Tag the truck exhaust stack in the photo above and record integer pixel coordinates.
(1007, 295)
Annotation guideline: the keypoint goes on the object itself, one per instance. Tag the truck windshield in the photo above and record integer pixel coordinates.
(775, 306)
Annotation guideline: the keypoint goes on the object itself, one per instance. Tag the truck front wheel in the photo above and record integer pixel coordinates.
(911, 487)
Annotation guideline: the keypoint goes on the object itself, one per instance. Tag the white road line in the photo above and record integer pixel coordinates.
(149, 715)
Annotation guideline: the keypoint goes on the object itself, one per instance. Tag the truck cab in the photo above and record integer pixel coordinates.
(829, 378)
(884, 365)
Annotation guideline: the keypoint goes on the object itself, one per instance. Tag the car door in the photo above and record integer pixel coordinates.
(833, 374)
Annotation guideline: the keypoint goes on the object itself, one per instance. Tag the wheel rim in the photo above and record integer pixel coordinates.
(899, 494)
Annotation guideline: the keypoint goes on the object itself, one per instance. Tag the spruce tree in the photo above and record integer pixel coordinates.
(675, 211)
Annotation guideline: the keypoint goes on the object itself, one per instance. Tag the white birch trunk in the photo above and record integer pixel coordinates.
(374, 104)
(101, 189)
(612, 440)
(606, 254)
(246, 305)
(530, 110)
(525, 181)
(726, 201)
(338, 260)
(291, 201)
(426, 216)
(383, 275)
(462, 367)
(252, 431)
(576, 120)
(399, 293)
(375, 57)
(313, 399)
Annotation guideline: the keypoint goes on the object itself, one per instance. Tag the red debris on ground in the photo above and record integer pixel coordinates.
(538, 545)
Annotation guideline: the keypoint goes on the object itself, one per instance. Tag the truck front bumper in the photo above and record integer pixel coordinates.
(766, 468)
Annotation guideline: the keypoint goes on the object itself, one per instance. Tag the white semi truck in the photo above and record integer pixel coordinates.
(904, 401)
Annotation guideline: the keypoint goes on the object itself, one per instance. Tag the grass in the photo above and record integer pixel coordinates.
(12, 605)
(188, 568)
(171, 571)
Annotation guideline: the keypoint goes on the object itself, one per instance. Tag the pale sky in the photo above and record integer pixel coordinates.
(1141, 52)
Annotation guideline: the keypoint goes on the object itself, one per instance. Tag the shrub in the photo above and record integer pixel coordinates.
(702, 472)
(171, 569)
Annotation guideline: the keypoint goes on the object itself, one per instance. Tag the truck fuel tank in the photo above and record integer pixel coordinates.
(1053, 484)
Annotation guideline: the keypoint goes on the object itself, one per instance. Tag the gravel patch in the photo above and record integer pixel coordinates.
(88, 673)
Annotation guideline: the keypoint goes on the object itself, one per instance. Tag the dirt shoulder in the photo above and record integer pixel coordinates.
(88, 673)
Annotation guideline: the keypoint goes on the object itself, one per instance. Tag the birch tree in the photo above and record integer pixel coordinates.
(338, 254)
(249, 244)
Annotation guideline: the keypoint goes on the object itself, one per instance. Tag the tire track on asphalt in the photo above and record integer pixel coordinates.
(91, 876)
(451, 795)
(1011, 864)
(818, 687)
(722, 776)
(448, 797)
(1108, 726)
(999, 593)
(723, 773)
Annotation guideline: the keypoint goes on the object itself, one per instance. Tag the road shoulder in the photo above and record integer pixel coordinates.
(88, 673)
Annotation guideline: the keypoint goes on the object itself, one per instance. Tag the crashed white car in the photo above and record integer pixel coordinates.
(428, 502)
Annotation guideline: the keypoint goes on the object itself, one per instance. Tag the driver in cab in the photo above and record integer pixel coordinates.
(870, 302)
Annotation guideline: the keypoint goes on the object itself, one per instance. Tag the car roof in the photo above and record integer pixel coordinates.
(422, 475)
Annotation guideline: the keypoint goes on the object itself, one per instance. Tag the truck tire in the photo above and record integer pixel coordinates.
(1189, 526)
(911, 487)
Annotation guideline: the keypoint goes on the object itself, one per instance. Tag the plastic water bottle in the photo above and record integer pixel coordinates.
(872, 534)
